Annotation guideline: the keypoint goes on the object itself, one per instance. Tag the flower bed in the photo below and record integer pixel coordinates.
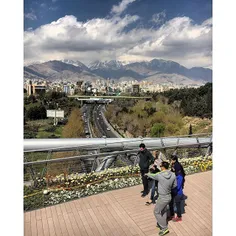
(53, 190)
(196, 164)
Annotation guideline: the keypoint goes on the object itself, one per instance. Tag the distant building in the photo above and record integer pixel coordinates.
(35, 88)
(66, 89)
(79, 84)
(135, 88)
(72, 91)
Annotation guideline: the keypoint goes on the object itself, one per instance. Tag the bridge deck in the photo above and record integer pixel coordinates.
(122, 212)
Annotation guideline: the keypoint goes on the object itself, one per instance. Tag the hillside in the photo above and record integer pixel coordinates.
(157, 70)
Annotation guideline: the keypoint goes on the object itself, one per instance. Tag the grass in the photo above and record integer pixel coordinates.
(44, 129)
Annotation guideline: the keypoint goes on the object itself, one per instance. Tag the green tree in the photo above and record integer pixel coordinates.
(32, 98)
(158, 130)
(36, 112)
(149, 108)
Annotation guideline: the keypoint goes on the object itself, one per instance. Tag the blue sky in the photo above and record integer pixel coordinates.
(126, 30)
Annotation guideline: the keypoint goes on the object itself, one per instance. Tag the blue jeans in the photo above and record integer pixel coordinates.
(153, 190)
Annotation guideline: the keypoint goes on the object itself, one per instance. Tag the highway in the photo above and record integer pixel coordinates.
(87, 119)
(101, 124)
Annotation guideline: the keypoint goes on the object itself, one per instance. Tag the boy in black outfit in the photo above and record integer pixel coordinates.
(145, 160)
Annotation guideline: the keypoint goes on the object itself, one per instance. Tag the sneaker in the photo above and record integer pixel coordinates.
(164, 232)
(177, 219)
(148, 203)
(144, 194)
(158, 226)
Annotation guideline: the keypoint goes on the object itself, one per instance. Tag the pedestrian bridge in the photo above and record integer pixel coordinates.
(123, 212)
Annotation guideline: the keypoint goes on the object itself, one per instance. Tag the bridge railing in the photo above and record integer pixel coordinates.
(76, 155)
(39, 145)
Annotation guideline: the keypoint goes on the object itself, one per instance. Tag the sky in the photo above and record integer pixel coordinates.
(124, 30)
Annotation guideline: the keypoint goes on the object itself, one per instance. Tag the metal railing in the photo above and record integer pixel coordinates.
(105, 151)
(39, 145)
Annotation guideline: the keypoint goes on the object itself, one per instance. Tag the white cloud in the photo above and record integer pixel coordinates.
(118, 9)
(158, 18)
(178, 39)
(207, 22)
(30, 16)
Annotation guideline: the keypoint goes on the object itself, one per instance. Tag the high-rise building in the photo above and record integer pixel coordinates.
(35, 88)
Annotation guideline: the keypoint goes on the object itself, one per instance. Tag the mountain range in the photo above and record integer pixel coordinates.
(157, 70)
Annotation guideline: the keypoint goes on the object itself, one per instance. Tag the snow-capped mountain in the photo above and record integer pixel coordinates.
(75, 63)
(154, 70)
(113, 64)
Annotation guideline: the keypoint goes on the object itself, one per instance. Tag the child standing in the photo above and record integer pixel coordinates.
(179, 196)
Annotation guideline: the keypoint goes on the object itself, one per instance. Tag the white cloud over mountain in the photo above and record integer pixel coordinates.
(116, 37)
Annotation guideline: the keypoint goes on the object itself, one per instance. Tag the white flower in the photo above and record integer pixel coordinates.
(45, 192)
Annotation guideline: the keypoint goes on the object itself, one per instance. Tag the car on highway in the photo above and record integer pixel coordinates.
(108, 129)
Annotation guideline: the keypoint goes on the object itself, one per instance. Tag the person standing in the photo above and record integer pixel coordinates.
(178, 197)
(166, 181)
(178, 169)
(155, 168)
(145, 160)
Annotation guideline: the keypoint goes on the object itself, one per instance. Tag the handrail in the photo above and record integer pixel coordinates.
(111, 153)
(40, 145)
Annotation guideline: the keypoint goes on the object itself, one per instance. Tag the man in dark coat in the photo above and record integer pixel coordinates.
(145, 160)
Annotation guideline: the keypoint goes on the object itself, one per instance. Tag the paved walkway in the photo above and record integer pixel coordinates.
(122, 212)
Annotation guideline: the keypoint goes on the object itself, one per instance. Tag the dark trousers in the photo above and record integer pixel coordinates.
(144, 180)
(177, 200)
(171, 205)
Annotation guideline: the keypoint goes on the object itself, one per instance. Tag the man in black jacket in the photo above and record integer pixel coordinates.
(145, 159)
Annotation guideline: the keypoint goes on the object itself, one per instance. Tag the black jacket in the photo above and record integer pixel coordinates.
(145, 159)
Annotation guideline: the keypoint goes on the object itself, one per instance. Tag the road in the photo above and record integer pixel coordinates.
(101, 125)
(87, 119)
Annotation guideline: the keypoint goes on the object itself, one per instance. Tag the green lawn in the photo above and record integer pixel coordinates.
(43, 129)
